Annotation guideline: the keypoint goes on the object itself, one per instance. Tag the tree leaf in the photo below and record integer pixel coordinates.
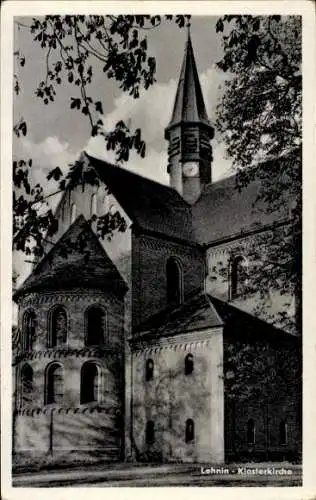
(219, 26)
(23, 127)
(55, 174)
(98, 107)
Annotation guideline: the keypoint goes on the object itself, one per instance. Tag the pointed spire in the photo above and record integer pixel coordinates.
(188, 30)
(189, 103)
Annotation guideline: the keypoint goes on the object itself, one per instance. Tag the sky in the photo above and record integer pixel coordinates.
(57, 135)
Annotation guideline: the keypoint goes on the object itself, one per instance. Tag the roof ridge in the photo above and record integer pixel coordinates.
(139, 176)
(128, 171)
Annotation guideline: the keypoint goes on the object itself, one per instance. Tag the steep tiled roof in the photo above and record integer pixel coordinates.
(223, 211)
(205, 311)
(87, 267)
(196, 314)
(242, 326)
(189, 103)
(149, 204)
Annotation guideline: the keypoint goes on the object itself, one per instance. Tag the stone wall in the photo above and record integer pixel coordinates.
(71, 425)
(55, 431)
(172, 397)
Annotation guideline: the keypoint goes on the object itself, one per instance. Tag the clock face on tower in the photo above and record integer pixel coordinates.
(190, 169)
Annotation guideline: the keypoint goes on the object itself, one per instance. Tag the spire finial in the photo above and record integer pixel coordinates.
(188, 28)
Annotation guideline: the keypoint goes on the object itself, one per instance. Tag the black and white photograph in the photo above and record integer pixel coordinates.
(156, 284)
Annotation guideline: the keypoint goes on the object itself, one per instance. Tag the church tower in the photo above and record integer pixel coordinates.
(189, 133)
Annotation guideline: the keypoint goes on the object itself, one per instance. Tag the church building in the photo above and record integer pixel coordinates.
(135, 347)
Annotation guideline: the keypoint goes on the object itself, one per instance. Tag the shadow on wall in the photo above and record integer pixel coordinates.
(263, 383)
(65, 426)
(172, 412)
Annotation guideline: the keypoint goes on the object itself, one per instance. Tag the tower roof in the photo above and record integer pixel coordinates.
(189, 103)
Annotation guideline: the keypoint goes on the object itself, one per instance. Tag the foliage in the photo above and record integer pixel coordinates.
(261, 371)
(260, 117)
(261, 109)
(72, 48)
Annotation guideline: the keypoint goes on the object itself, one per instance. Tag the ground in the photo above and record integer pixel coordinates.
(162, 475)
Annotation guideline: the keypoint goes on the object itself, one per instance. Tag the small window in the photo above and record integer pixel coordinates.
(54, 384)
(26, 384)
(251, 431)
(149, 370)
(189, 430)
(73, 213)
(58, 326)
(29, 326)
(174, 282)
(93, 207)
(95, 326)
(283, 432)
(239, 276)
(150, 432)
(90, 382)
(188, 364)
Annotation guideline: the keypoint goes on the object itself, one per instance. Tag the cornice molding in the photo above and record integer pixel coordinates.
(48, 410)
(53, 353)
(61, 297)
(243, 244)
(246, 233)
(154, 243)
(143, 232)
(184, 342)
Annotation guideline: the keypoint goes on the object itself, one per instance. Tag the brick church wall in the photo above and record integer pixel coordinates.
(149, 260)
(118, 247)
(75, 303)
(267, 418)
(271, 395)
(218, 281)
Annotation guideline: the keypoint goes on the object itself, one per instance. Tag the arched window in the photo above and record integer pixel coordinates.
(58, 326)
(29, 326)
(90, 383)
(93, 204)
(149, 370)
(150, 432)
(63, 211)
(251, 431)
(112, 209)
(239, 273)
(189, 430)
(95, 326)
(105, 204)
(188, 364)
(174, 282)
(73, 213)
(26, 384)
(283, 432)
(54, 384)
